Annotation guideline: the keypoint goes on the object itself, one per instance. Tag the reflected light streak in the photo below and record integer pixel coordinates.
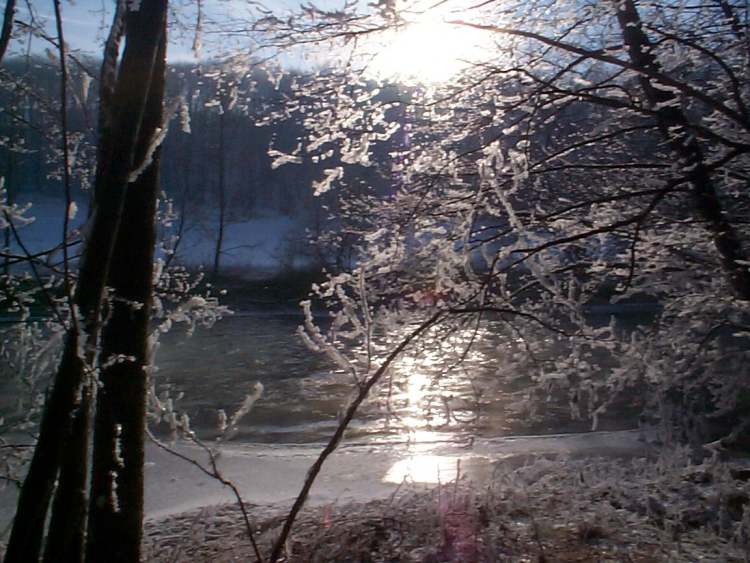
(423, 469)
(424, 393)
(420, 381)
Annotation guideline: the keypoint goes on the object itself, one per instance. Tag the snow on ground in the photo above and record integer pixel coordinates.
(45, 231)
(264, 245)
(273, 474)
(641, 506)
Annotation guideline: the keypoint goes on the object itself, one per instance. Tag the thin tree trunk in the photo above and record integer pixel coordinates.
(66, 528)
(222, 195)
(338, 434)
(10, 200)
(116, 155)
(181, 220)
(184, 175)
(8, 17)
(733, 20)
(116, 510)
(675, 128)
(67, 524)
(11, 162)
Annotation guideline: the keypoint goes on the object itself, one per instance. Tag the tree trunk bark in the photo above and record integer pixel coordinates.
(675, 128)
(8, 17)
(115, 162)
(66, 528)
(67, 525)
(116, 503)
(222, 195)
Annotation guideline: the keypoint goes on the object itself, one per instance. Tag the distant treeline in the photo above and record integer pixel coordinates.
(30, 140)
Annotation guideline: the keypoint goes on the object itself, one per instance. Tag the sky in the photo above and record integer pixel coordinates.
(427, 51)
(86, 22)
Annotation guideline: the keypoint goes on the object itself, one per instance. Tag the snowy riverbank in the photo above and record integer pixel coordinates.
(267, 474)
(600, 496)
(260, 246)
(272, 475)
(560, 508)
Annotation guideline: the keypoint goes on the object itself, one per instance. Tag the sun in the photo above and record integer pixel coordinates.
(427, 50)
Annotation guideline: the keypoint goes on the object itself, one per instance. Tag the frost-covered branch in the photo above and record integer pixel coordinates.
(335, 439)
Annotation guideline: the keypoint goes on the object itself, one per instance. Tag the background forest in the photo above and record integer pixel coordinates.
(216, 162)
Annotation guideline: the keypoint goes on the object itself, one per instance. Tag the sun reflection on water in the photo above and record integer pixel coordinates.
(425, 386)
(431, 394)
(423, 469)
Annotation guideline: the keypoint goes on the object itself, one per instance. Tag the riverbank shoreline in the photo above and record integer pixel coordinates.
(597, 496)
(561, 509)
(273, 474)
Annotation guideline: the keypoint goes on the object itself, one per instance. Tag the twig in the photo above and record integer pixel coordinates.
(66, 161)
(214, 473)
(40, 283)
(333, 443)
(508, 311)
(13, 480)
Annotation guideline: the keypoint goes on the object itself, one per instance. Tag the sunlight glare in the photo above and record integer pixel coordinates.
(427, 51)
(423, 469)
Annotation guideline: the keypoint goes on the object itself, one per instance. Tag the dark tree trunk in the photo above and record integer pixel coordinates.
(222, 195)
(67, 528)
(115, 162)
(676, 130)
(116, 508)
(67, 524)
(728, 10)
(8, 17)
(26, 537)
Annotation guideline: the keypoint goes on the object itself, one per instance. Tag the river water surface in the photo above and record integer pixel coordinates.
(429, 396)
(431, 418)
